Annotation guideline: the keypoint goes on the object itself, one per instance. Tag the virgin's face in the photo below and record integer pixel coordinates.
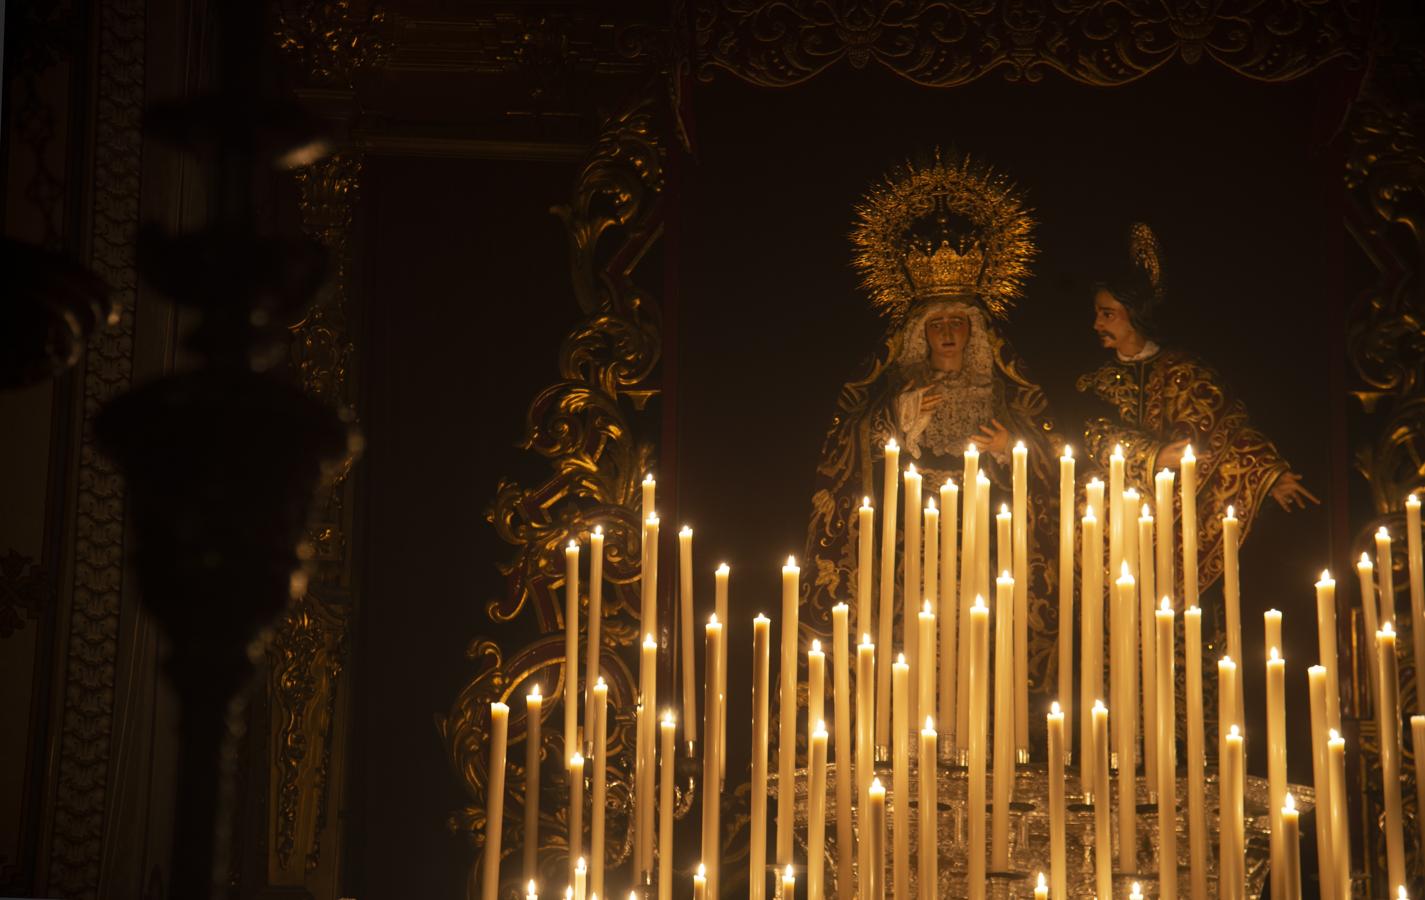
(1111, 323)
(946, 334)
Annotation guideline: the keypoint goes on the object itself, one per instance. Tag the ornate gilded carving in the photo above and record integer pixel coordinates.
(23, 591)
(581, 424)
(940, 43)
(330, 39)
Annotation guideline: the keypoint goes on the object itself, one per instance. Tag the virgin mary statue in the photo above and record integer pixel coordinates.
(943, 250)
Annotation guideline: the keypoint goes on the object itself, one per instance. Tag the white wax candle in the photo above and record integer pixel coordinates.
(1058, 853)
(1340, 833)
(1226, 711)
(1189, 504)
(571, 648)
(721, 576)
(1167, 761)
(531, 891)
(931, 537)
(787, 713)
(596, 621)
(1020, 462)
(1126, 681)
(534, 704)
(1326, 633)
(1321, 780)
(1163, 506)
(978, 698)
(890, 500)
(690, 653)
(600, 787)
(948, 614)
(1003, 790)
(581, 878)
(666, 761)
(1103, 842)
(495, 801)
(1147, 642)
(1276, 751)
(1290, 820)
(1272, 632)
(1091, 598)
(712, 808)
(900, 777)
(761, 693)
(969, 556)
(925, 697)
(650, 488)
(865, 561)
(876, 845)
(1233, 854)
(700, 885)
(1388, 721)
(865, 747)
(647, 726)
(1196, 753)
(1417, 743)
(927, 852)
(1231, 582)
(1417, 591)
(1066, 583)
(1004, 541)
(1041, 888)
(911, 584)
(1385, 572)
(1115, 516)
(816, 684)
(1366, 577)
(649, 577)
(982, 541)
(816, 820)
(576, 808)
(789, 882)
(841, 700)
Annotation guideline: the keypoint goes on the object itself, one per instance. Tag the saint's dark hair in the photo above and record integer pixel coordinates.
(1143, 303)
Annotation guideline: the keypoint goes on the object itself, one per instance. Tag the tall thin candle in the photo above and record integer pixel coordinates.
(841, 699)
(1291, 848)
(1388, 720)
(928, 843)
(495, 801)
(1326, 633)
(721, 577)
(1321, 780)
(1417, 744)
(1066, 584)
(596, 621)
(978, 698)
(900, 777)
(968, 563)
(948, 614)
(865, 747)
(600, 787)
(911, 584)
(1004, 723)
(1417, 592)
(1167, 764)
(1103, 842)
(1127, 601)
(876, 846)
(816, 819)
(576, 808)
(1276, 759)
(1148, 640)
(1091, 598)
(534, 705)
(571, 647)
(1231, 582)
(1019, 458)
(865, 562)
(890, 499)
(1114, 519)
(1366, 577)
(1385, 573)
(1058, 853)
(1233, 852)
(761, 693)
(925, 696)
(1163, 507)
(666, 761)
(1189, 512)
(1340, 833)
(712, 808)
(689, 650)
(931, 538)
(816, 684)
(1196, 753)
(787, 714)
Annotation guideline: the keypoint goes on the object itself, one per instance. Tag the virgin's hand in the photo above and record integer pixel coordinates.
(993, 438)
(1171, 455)
(930, 398)
(1288, 490)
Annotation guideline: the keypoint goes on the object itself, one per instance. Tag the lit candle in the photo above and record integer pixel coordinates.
(890, 499)
(978, 699)
(761, 691)
(649, 581)
(865, 534)
(495, 801)
(1189, 503)
(650, 488)
(531, 891)
(865, 745)
(1276, 753)
(1385, 572)
(931, 535)
(581, 878)
(534, 704)
(721, 577)
(571, 647)
(816, 684)
(982, 531)
(1147, 641)
(1234, 864)
(1019, 457)
(1340, 834)
(876, 845)
(929, 840)
(1388, 720)
(690, 653)
(1417, 591)
(787, 714)
(1004, 541)
(1231, 583)
(1066, 584)
(1291, 850)
(1115, 517)
(1126, 681)
(1321, 779)
(646, 726)
(600, 775)
(576, 807)
(1135, 891)
(1163, 504)
(949, 611)
(712, 809)
(1103, 846)
(1091, 598)
(1366, 576)
(1167, 764)
(1417, 738)
(816, 805)
(596, 621)
(841, 687)
(969, 555)
(1041, 888)
(700, 885)
(1058, 855)
(1226, 713)
(911, 583)
(900, 777)
(1196, 753)
(1004, 723)
(789, 883)
(1326, 633)
(926, 693)
(1272, 631)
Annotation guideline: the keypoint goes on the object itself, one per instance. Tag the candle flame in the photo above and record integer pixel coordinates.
(702, 871)
(653, 519)
(712, 619)
(1332, 735)
(1095, 483)
(1117, 451)
(1068, 451)
(1147, 513)
(1231, 512)
(950, 482)
(580, 865)
(1290, 804)
(788, 871)
(723, 569)
(1383, 532)
(820, 728)
(1124, 571)
(876, 784)
(791, 562)
(900, 659)
(865, 502)
(1400, 893)
(1227, 659)
(1088, 513)
(971, 449)
(648, 479)
(815, 645)
(1326, 577)
(981, 478)
(598, 531)
(1098, 705)
(926, 608)
(891, 445)
(1234, 732)
(668, 718)
(1055, 709)
(1043, 884)
(573, 545)
(1004, 509)
(1135, 891)
(577, 759)
(929, 723)
(979, 601)
(1167, 605)
(866, 639)
(1005, 578)
(1193, 611)
(685, 531)
(930, 503)
(1131, 495)
(910, 469)
(1386, 630)
(1019, 445)
(568, 893)
(761, 617)
(1365, 560)
(1188, 454)
(1274, 655)
(532, 886)
(601, 683)
(648, 641)
(534, 693)
(1412, 499)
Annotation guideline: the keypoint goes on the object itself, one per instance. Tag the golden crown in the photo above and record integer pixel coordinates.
(979, 241)
(946, 271)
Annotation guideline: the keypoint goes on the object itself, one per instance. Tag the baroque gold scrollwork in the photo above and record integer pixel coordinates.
(581, 424)
(939, 43)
